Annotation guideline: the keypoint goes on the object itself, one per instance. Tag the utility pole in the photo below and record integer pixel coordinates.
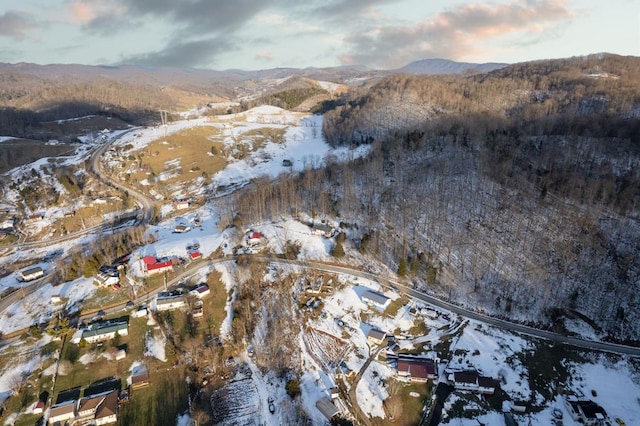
(163, 118)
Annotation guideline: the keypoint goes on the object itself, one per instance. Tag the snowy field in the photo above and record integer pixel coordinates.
(345, 320)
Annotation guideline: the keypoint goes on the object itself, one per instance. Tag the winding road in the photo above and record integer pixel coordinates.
(146, 214)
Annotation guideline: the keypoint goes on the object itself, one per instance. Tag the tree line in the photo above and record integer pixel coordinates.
(518, 219)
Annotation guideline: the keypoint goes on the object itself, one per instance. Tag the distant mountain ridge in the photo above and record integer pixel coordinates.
(438, 66)
(173, 75)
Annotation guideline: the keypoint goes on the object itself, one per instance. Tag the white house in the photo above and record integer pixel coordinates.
(586, 412)
(170, 300)
(98, 332)
(181, 203)
(31, 274)
(472, 381)
(375, 300)
(106, 280)
(181, 229)
(140, 312)
(101, 408)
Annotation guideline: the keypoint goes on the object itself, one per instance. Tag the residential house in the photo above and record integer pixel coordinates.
(34, 218)
(198, 309)
(375, 300)
(181, 203)
(416, 369)
(106, 279)
(140, 312)
(334, 392)
(140, 380)
(376, 337)
(181, 229)
(107, 411)
(31, 274)
(202, 290)
(473, 381)
(169, 300)
(586, 412)
(101, 331)
(60, 413)
(254, 238)
(152, 265)
(195, 255)
(38, 407)
(101, 408)
(344, 372)
(326, 407)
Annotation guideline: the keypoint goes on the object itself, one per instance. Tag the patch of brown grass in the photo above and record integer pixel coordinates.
(401, 406)
(185, 154)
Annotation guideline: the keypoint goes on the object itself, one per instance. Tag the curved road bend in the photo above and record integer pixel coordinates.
(144, 216)
(500, 323)
(147, 211)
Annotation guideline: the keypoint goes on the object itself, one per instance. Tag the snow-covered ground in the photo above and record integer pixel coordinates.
(346, 319)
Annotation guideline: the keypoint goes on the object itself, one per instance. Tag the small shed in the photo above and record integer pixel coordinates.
(376, 337)
(140, 380)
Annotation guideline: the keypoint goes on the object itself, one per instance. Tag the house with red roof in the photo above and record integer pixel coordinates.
(195, 255)
(417, 369)
(154, 266)
(38, 407)
(254, 237)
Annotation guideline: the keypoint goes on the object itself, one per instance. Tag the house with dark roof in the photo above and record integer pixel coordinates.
(166, 301)
(99, 409)
(376, 337)
(586, 412)
(181, 229)
(140, 380)
(375, 300)
(31, 274)
(101, 331)
(416, 369)
(202, 290)
(60, 413)
(473, 381)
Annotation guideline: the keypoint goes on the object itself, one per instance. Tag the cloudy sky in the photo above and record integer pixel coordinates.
(259, 34)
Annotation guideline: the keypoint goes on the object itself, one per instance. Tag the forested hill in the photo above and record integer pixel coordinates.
(515, 192)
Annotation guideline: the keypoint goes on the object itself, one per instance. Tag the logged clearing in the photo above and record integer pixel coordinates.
(181, 156)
